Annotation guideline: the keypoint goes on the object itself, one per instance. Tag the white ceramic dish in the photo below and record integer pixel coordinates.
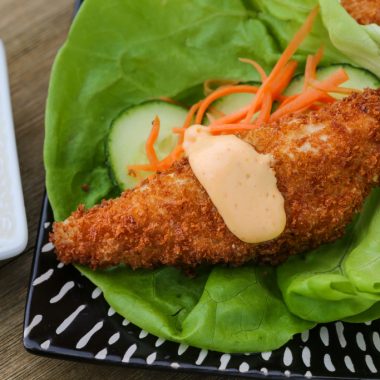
(13, 227)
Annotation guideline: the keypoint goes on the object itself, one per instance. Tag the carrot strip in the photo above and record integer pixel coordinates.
(311, 67)
(208, 84)
(286, 55)
(284, 79)
(149, 145)
(216, 111)
(178, 130)
(143, 168)
(232, 117)
(308, 71)
(170, 158)
(170, 100)
(288, 100)
(311, 95)
(340, 90)
(220, 93)
(265, 110)
(257, 66)
(230, 128)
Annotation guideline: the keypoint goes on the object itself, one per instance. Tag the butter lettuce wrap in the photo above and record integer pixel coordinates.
(126, 53)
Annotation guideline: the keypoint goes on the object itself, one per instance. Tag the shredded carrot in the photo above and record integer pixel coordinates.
(230, 128)
(257, 66)
(232, 117)
(265, 110)
(220, 93)
(216, 111)
(329, 88)
(284, 79)
(286, 55)
(178, 130)
(211, 85)
(143, 168)
(170, 100)
(189, 118)
(149, 146)
(170, 158)
(311, 67)
(311, 95)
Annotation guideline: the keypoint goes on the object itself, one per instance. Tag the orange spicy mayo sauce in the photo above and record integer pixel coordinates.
(240, 182)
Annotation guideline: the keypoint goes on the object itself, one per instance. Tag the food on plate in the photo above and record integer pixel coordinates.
(134, 68)
(363, 11)
(325, 162)
(292, 184)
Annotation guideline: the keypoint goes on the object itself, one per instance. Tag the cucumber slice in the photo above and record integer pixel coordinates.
(125, 144)
(234, 102)
(359, 79)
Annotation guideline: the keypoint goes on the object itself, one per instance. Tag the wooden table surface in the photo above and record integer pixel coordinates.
(32, 32)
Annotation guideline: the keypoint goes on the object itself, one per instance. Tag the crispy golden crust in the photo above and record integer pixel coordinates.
(325, 162)
(363, 11)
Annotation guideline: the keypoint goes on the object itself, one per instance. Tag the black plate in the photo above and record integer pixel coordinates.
(66, 316)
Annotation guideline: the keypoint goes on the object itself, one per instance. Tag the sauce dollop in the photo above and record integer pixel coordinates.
(240, 182)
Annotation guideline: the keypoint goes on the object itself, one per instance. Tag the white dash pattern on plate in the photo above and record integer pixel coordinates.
(349, 364)
(244, 367)
(201, 357)
(102, 354)
(35, 321)
(182, 348)
(128, 354)
(65, 288)
(69, 320)
(370, 364)
(224, 360)
(96, 293)
(340, 332)
(151, 358)
(328, 363)
(45, 345)
(288, 357)
(82, 342)
(114, 338)
(43, 277)
(48, 247)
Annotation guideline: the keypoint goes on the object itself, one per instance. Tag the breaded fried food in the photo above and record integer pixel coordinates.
(363, 11)
(326, 163)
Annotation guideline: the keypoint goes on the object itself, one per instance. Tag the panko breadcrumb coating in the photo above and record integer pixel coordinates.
(363, 11)
(326, 163)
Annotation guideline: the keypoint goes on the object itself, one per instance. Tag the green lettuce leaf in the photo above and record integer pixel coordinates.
(362, 46)
(223, 309)
(131, 51)
(343, 38)
(339, 280)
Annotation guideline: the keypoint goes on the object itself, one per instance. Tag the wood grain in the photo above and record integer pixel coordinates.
(32, 32)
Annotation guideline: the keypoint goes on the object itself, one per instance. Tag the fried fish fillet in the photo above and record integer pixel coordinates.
(363, 11)
(326, 163)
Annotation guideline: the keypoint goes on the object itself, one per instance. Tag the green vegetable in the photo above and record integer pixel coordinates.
(338, 280)
(129, 132)
(225, 309)
(344, 40)
(119, 56)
